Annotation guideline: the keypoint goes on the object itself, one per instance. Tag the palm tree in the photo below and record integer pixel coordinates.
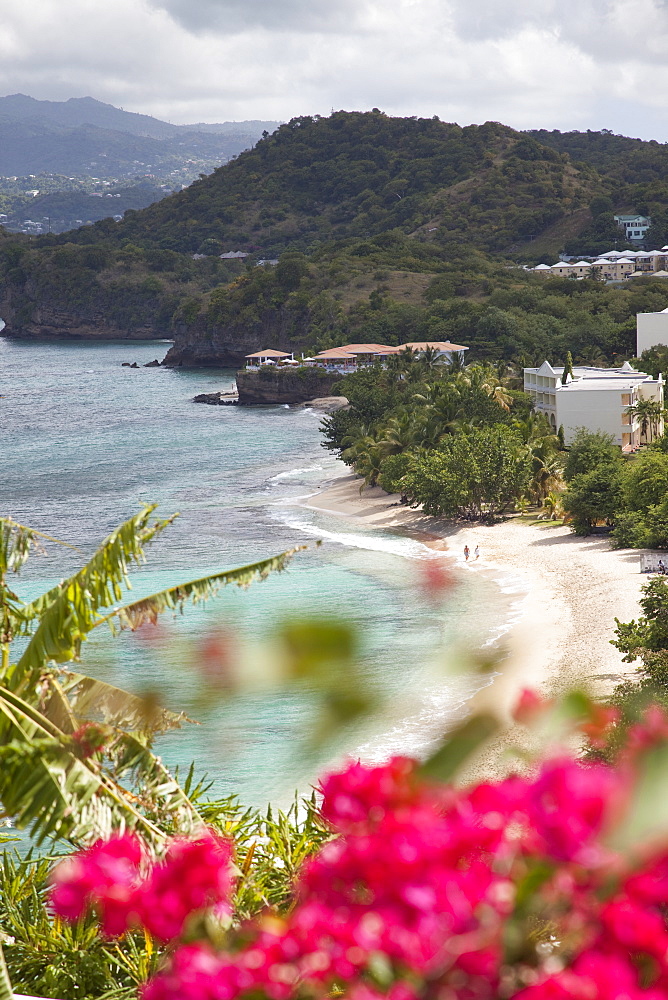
(649, 412)
(441, 406)
(552, 505)
(401, 433)
(76, 752)
(484, 377)
(542, 448)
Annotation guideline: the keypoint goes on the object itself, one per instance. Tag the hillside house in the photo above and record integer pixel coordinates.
(634, 226)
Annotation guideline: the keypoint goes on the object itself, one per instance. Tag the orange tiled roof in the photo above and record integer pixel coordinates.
(440, 345)
(269, 353)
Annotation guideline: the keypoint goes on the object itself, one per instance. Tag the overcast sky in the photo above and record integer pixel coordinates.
(568, 64)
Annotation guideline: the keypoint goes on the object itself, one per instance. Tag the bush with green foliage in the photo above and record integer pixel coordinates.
(477, 474)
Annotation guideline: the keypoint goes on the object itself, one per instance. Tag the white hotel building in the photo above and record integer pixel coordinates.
(595, 398)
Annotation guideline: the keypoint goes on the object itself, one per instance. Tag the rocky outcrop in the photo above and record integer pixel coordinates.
(205, 345)
(217, 398)
(325, 404)
(77, 306)
(267, 387)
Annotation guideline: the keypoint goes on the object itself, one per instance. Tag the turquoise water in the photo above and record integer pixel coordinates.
(84, 441)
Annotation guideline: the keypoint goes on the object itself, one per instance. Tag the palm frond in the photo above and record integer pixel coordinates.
(134, 615)
(46, 786)
(6, 992)
(68, 611)
(72, 699)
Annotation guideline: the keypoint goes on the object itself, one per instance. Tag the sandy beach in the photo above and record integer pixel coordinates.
(575, 588)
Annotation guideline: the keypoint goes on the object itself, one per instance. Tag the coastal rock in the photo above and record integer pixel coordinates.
(326, 404)
(267, 388)
(217, 398)
(152, 364)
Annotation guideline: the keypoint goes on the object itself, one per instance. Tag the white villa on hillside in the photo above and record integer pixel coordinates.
(614, 265)
(634, 226)
(595, 398)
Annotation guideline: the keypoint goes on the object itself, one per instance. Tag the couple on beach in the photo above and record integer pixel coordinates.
(467, 552)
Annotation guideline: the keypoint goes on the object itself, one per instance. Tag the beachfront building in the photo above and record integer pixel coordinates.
(351, 356)
(267, 357)
(443, 348)
(598, 399)
(651, 330)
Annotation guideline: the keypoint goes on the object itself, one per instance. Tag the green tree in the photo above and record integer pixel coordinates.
(393, 471)
(644, 480)
(477, 474)
(568, 368)
(601, 204)
(653, 361)
(593, 497)
(290, 270)
(588, 450)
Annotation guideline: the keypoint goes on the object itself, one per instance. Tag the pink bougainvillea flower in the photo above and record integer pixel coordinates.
(363, 795)
(530, 705)
(104, 878)
(194, 875)
(570, 805)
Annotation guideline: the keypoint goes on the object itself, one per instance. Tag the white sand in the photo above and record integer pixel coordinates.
(576, 587)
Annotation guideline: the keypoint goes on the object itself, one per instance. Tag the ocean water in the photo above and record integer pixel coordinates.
(84, 441)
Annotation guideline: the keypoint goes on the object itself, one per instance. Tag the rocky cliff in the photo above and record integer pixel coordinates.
(205, 343)
(80, 307)
(297, 386)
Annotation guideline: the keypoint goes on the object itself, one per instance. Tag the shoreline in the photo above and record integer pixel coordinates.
(571, 591)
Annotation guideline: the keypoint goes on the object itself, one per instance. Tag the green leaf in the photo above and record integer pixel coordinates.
(460, 745)
(5, 985)
(69, 611)
(133, 616)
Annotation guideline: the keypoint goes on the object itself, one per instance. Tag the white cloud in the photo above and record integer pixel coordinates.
(553, 63)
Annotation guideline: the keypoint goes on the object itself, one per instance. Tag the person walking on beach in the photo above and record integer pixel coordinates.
(476, 552)
(467, 553)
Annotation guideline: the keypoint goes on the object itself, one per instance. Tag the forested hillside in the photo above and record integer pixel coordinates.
(359, 174)
(387, 229)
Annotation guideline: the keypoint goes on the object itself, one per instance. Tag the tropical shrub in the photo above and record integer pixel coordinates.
(477, 474)
(393, 471)
(549, 885)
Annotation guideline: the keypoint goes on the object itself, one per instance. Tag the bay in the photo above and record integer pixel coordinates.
(84, 442)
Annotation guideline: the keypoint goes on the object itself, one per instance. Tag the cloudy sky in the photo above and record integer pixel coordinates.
(529, 63)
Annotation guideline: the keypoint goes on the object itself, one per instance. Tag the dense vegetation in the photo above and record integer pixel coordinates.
(392, 230)
(354, 174)
(456, 441)
(627, 495)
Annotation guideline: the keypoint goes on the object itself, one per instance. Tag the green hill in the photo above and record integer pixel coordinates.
(387, 229)
(358, 174)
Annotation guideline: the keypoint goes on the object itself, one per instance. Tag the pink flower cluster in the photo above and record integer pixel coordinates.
(114, 879)
(503, 889)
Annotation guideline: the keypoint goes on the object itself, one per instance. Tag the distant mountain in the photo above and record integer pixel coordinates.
(84, 111)
(386, 229)
(85, 136)
(87, 111)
